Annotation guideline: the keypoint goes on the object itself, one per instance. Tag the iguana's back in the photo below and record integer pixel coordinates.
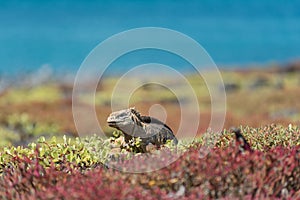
(159, 131)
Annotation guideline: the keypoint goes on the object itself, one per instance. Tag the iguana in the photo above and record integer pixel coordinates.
(150, 130)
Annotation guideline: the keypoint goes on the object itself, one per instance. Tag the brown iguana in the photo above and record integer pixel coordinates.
(150, 130)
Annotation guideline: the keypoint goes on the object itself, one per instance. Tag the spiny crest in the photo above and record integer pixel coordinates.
(135, 112)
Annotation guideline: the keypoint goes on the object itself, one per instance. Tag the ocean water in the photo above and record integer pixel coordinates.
(61, 33)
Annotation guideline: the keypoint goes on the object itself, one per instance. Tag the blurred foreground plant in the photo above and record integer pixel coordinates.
(68, 170)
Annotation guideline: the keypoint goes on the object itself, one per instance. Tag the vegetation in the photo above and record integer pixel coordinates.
(76, 169)
(254, 98)
(41, 156)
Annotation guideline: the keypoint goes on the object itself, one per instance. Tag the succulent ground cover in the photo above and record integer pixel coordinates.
(75, 169)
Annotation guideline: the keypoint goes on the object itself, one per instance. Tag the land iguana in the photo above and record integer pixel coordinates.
(150, 130)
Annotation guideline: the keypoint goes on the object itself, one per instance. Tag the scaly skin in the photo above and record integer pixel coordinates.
(149, 129)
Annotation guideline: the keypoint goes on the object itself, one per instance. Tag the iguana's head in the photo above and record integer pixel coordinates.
(123, 118)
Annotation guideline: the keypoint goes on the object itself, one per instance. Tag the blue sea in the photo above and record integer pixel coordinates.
(60, 33)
